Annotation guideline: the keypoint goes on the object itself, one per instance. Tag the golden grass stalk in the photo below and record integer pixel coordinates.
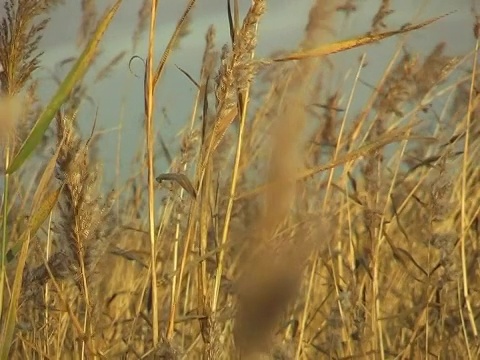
(37, 219)
(149, 133)
(472, 98)
(355, 42)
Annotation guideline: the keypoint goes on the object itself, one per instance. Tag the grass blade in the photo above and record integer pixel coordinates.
(340, 46)
(36, 221)
(74, 76)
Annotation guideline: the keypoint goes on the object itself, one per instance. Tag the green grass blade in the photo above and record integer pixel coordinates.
(74, 76)
(35, 223)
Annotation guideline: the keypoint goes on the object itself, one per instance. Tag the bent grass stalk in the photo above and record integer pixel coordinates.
(3, 255)
(464, 218)
(149, 101)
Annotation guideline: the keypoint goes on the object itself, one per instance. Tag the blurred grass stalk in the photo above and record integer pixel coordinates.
(3, 271)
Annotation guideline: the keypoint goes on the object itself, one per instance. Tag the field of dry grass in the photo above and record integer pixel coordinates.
(288, 226)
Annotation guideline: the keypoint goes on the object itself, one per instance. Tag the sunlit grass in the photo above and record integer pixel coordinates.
(287, 223)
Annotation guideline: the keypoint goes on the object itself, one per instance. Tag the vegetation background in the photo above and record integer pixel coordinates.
(258, 188)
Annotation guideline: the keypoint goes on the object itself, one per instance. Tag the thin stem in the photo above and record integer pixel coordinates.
(307, 305)
(464, 220)
(228, 214)
(4, 230)
(151, 196)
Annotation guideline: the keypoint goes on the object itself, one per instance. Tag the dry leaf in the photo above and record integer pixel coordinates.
(340, 46)
(180, 179)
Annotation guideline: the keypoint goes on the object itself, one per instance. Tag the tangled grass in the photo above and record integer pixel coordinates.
(291, 228)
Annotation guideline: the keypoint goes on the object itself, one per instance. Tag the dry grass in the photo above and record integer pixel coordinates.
(292, 228)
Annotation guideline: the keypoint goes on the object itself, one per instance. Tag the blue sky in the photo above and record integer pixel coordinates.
(119, 97)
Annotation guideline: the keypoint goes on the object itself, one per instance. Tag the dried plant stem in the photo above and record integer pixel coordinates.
(87, 307)
(380, 240)
(175, 278)
(4, 231)
(330, 179)
(48, 249)
(233, 189)
(173, 300)
(308, 295)
(462, 319)
(119, 146)
(178, 274)
(465, 174)
(173, 289)
(243, 100)
(150, 151)
(377, 338)
(342, 128)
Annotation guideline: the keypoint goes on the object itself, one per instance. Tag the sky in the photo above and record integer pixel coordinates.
(119, 98)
